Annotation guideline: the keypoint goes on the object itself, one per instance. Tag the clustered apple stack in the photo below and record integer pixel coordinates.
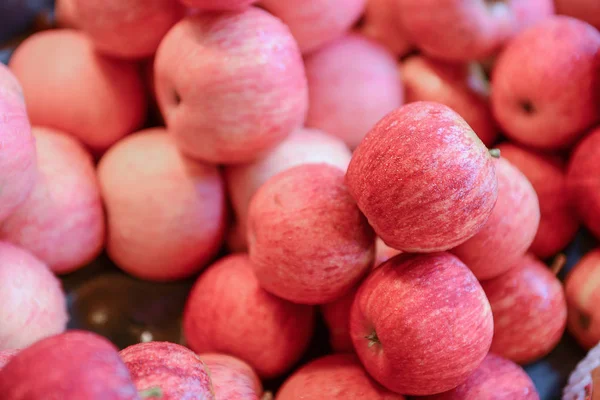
(407, 203)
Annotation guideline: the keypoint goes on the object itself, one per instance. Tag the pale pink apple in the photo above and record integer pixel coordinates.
(585, 10)
(423, 178)
(230, 85)
(381, 23)
(421, 324)
(232, 378)
(337, 318)
(218, 5)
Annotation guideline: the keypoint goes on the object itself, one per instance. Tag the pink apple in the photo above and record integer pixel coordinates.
(463, 30)
(509, 231)
(232, 378)
(6, 356)
(585, 10)
(381, 23)
(314, 23)
(421, 324)
(335, 377)
(558, 223)
(227, 311)
(353, 82)
(218, 5)
(496, 378)
(545, 84)
(530, 311)
(583, 181)
(308, 241)
(460, 86)
(33, 303)
(173, 369)
(166, 213)
(10, 88)
(229, 101)
(337, 318)
(583, 296)
(72, 366)
(423, 179)
(94, 98)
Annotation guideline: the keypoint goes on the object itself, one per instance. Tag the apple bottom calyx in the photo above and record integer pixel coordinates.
(152, 393)
(495, 153)
(373, 339)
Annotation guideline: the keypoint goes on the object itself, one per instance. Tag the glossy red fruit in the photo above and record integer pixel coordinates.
(232, 378)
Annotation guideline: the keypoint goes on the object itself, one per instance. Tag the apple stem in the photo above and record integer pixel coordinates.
(152, 393)
(495, 153)
(373, 339)
(267, 396)
(558, 264)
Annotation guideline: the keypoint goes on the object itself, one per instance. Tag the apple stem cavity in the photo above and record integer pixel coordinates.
(558, 264)
(495, 153)
(373, 339)
(152, 393)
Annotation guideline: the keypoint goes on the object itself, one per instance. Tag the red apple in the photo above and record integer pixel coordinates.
(496, 378)
(177, 371)
(227, 311)
(460, 86)
(558, 223)
(585, 379)
(314, 23)
(583, 181)
(218, 5)
(334, 377)
(353, 82)
(585, 10)
(423, 179)
(308, 241)
(229, 101)
(545, 84)
(462, 30)
(381, 23)
(337, 318)
(166, 213)
(421, 324)
(232, 378)
(509, 231)
(530, 311)
(583, 296)
(94, 98)
(75, 365)
(6, 356)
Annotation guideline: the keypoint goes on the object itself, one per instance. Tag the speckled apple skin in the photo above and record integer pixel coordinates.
(530, 311)
(72, 366)
(464, 30)
(337, 318)
(6, 356)
(585, 10)
(382, 24)
(314, 23)
(353, 82)
(558, 222)
(439, 335)
(423, 179)
(94, 98)
(496, 378)
(230, 85)
(452, 84)
(218, 5)
(33, 303)
(583, 181)
(335, 377)
(166, 213)
(582, 289)
(303, 146)
(232, 378)
(308, 241)
(176, 370)
(560, 81)
(62, 221)
(228, 312)
(509, 231)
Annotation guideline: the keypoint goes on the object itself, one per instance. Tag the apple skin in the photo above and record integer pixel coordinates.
(454, 84)
(62, 221)
(582, 289)
(464, 30)
(229, 101)
(176, 370)
(10, 88)
(218, 5)
(6, 356)
(232, 378)
(383, 252)
(314, 23)
(303, 146)
(509, 231)
(94, 98)
(558, 222)
(547, 96)
(530, 311)
(585, 10)
(33, 303)
(496, 378)
(436, 339)
(382, 24)
(335, 377)
(308, 241)
(423, 142)
(64, 14)
(337, 318)
(583, 181)
(228, 312)
(353, 82)
(71, 366)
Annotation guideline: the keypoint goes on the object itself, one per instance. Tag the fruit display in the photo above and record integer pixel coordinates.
(293, 200)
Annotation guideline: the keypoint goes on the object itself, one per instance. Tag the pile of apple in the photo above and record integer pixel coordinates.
(410, 203)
